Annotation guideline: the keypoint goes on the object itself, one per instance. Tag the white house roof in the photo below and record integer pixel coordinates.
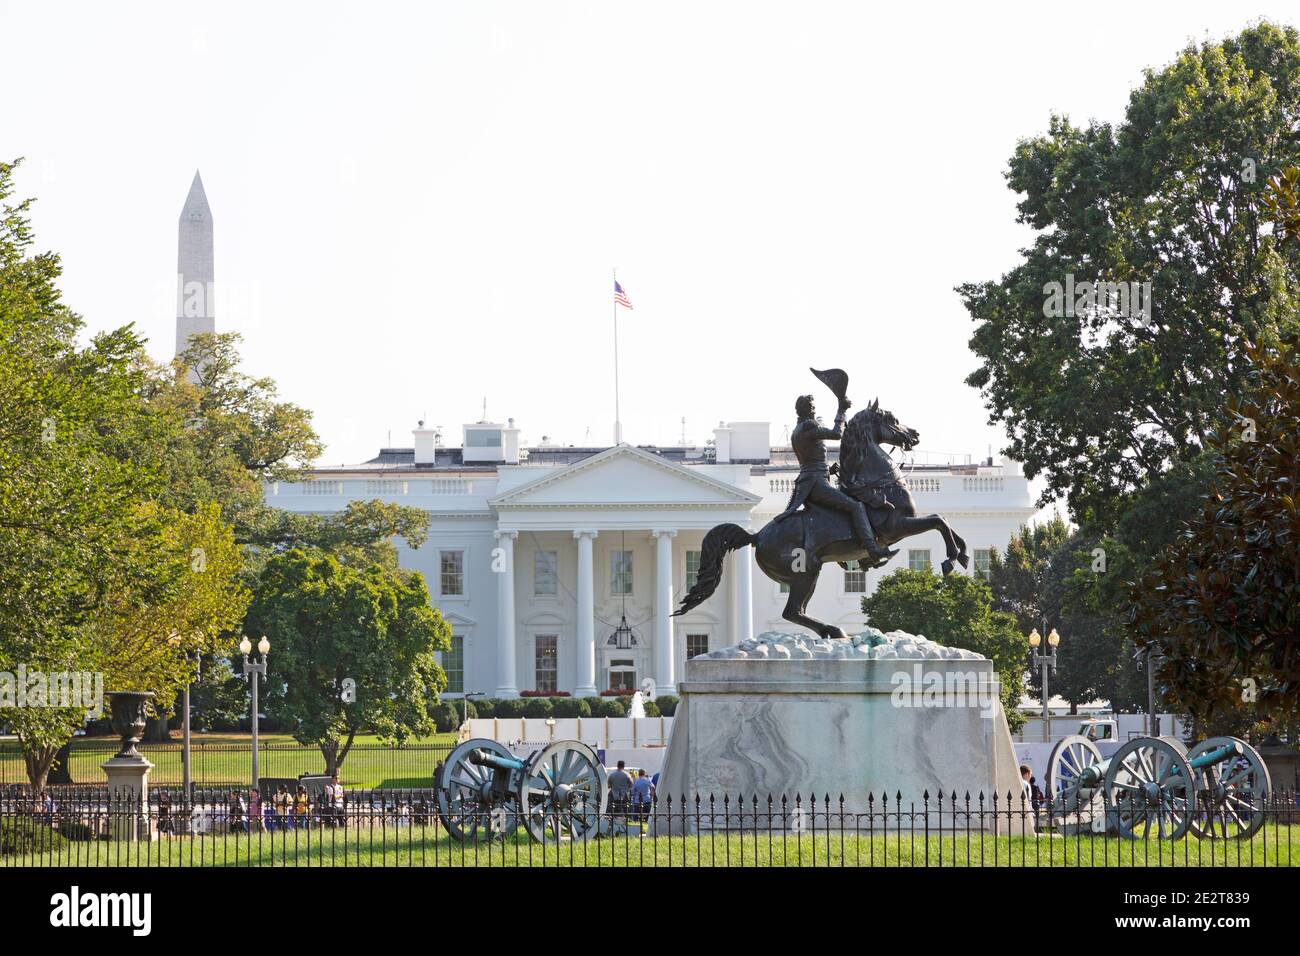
(624, 476)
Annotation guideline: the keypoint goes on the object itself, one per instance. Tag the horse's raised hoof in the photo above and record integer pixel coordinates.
(963, 559)
(835, 633)
(947, 566)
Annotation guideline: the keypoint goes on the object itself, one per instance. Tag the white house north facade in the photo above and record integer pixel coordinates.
(536, 554)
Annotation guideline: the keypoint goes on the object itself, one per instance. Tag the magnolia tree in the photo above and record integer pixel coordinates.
(1222, 602)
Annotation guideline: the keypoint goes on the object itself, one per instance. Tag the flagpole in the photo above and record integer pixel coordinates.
(618, 424)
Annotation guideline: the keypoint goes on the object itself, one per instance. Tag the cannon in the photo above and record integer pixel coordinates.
(1154, 786)
(486, 793)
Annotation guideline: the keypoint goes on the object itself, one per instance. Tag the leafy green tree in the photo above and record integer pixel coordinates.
(96, 572)
(1102, 399)
(957, 611)
(360, 535)
(1222, 602)
(1019, 580)
(330, 622)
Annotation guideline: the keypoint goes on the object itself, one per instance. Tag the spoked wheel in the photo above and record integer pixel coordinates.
(1150, 790)
(1068, 789)
(465, 803)
(1231, 794)
(562, 793)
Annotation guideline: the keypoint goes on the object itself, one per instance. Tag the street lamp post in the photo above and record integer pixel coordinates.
(187, 775)
(1046, 662)
(465, 704)
(252, 670)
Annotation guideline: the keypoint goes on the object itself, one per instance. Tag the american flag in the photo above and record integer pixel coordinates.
(620, 297)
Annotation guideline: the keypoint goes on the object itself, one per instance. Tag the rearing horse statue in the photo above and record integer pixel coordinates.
(792, 552)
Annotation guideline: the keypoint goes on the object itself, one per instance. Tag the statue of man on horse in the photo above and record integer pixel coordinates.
(871, 509)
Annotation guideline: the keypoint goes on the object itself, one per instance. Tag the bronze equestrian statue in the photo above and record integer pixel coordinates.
(870, 510)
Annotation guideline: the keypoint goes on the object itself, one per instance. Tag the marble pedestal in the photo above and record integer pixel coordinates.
(847, 725)
(128, 797)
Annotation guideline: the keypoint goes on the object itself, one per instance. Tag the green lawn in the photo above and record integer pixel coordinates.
(430, 847)
(225, 759)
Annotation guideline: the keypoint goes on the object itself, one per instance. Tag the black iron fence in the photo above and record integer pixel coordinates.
(89, 827)
(229, 764)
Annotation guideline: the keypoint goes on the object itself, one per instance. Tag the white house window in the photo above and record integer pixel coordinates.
(545, 564)
(452, 577)
(983, 563)
(453, 662)
(692, 568)
(696, 645)
(855, 579)
(622, 675)
(918, 559)
(620, 572)
(547, 662)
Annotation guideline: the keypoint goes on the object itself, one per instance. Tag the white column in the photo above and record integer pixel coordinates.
(503, 563)
(664, 674)
(586, 663)
(744, 571)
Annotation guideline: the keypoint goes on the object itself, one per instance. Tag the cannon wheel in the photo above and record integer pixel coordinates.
(562, 793)
(1150, 790)
(1230, 796)
(1070, 758)
(464, 802)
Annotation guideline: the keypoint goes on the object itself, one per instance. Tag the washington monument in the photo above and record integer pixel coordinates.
(195, 304)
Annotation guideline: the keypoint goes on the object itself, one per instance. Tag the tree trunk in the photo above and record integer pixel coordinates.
(38, 759)
(330, 752)
(61, 771)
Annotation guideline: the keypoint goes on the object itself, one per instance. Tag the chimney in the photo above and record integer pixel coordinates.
(510, 443)
(722, 444)
(424, 444)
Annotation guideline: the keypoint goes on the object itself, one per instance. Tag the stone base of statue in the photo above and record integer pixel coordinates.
(893, 723)
(128, 797)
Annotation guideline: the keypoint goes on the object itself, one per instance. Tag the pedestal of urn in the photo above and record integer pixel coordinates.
(128, 770)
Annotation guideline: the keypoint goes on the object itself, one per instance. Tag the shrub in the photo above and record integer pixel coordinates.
(538, 707)
(651, 709)
(667, 705)
(487, 707)
(571, 707)
(19, 835)
(510, 707)
(72, 830)
(448, 714)
(609, 707)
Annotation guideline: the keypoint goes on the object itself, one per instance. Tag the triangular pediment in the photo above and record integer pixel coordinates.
(624, 476)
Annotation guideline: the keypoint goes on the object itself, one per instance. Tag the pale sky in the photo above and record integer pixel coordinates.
(418, 206)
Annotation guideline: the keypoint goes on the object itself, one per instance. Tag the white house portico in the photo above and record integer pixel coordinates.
(537, 555)
(613, 503)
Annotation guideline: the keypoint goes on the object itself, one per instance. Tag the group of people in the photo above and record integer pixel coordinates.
(247, 811)
(631, 796)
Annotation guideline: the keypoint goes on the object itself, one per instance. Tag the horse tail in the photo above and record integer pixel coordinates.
(720, 540)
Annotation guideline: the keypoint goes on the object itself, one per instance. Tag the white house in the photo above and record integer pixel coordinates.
(535, 554)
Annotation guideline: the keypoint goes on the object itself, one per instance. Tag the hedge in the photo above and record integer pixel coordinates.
(560, 705)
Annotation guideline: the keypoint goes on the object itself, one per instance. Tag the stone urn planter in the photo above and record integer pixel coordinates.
(128, 712)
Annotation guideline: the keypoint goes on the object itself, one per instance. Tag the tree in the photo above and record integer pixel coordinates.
(1102, 395)
(1019, 580)
(332, 622)
(956, 611)
(220, 438)
(360, 535)
(93, 569)
(1222, 601)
